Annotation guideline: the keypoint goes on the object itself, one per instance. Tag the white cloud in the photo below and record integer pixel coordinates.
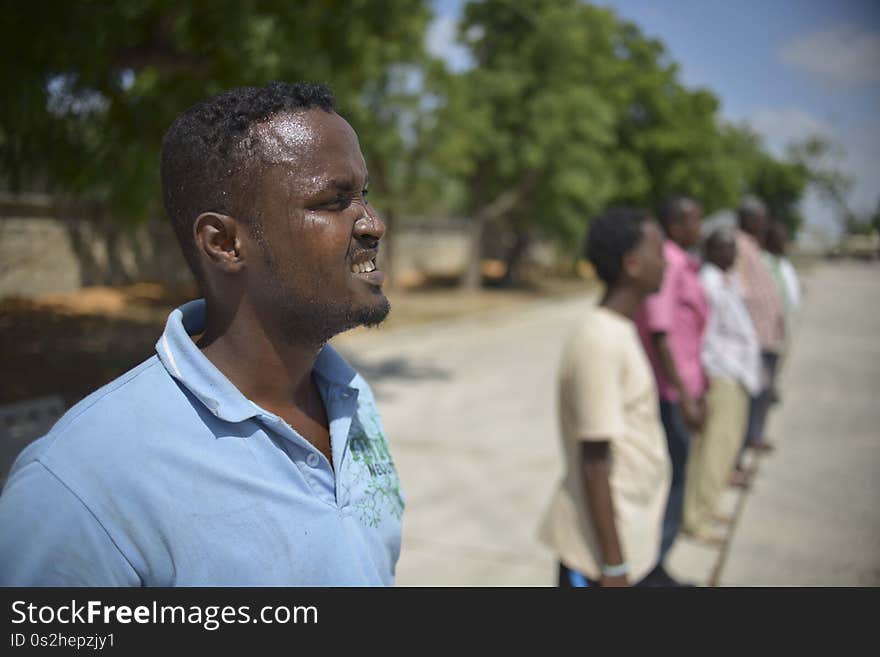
(782, 127)
(862, 144)
(843, 55)
(860, 159)
(440, 42)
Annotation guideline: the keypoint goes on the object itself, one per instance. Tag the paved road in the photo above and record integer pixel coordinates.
(469, 408)
(813, 517)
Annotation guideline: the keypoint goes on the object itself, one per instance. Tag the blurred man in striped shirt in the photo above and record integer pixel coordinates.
(766, 310)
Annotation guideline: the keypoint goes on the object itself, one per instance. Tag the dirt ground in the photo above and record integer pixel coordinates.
(70, 344)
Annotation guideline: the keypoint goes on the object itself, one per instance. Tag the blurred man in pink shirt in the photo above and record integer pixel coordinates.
(671, 325)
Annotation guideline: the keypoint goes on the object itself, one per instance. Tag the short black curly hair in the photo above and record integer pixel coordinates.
(613, 234)
(202, 152)
(673, 209)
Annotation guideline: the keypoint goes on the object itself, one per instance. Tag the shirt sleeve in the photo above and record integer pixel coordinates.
(712, 356)
(50, 538)
(659, 308)
(744, 269)
(791, 279)
(595, 396)
(723, 351)
(719, 360)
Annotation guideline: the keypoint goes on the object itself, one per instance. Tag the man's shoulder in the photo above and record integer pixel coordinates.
(770, 259)
(599, 330)
(747, 245)
(711, 275)
(677, 259)
(673, 253)
(109, 414)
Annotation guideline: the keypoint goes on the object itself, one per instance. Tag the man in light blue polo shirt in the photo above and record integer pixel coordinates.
(246, 452)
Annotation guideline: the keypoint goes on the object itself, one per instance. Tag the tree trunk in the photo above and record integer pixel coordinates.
(515, 257)
(388, 247)
(473, 275)
(500, 206)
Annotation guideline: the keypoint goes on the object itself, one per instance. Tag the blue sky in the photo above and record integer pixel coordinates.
(790, 68)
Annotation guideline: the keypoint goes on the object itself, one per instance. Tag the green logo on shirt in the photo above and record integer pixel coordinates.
(382, 493)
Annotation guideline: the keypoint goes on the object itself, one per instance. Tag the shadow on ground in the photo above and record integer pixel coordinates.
(396, 368)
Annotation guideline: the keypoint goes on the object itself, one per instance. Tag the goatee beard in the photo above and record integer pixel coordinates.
(315, 323)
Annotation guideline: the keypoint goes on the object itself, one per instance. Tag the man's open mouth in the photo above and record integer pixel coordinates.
(363, 267)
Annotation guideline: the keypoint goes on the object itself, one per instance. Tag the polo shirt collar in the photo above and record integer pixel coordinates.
(672, 248)
(185, 362)
(333, 367)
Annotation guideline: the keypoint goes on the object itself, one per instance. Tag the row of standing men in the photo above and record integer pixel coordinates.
(665, 385)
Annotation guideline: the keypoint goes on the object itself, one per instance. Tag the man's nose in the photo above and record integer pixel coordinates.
(369, 225)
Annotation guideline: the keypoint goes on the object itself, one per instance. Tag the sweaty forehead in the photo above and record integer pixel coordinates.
(311, 150)
(301, 136)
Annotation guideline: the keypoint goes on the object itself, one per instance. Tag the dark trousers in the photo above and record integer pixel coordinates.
(678, 440)
(570, 579)
(759, 406)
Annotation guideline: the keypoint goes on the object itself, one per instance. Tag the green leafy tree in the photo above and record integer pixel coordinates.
(750, 169)
(526, 130)
(668, 137)
(91, 86)
(818, 160)
(568, 109)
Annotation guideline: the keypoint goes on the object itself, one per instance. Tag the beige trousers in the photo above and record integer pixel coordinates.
(713, 452)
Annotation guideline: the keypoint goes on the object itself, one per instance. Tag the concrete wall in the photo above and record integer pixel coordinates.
(41, 253)
(438, 248)
(36, 257)
(43, 249)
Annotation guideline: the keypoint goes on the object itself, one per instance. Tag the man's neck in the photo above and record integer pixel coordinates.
(267, 368)
(751, 236)
(624, 300)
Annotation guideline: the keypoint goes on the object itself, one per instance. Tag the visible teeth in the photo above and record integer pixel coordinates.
(363, 267)
(370, 266)
(355, 268)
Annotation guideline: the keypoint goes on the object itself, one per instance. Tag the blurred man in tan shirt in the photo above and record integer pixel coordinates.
(605, 518)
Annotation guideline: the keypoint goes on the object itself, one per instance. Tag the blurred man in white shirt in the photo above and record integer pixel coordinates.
(731, 357)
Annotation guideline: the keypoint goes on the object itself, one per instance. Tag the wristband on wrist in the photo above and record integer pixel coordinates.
(616, 570)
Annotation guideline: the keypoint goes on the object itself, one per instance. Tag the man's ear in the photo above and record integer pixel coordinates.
(218, 238)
